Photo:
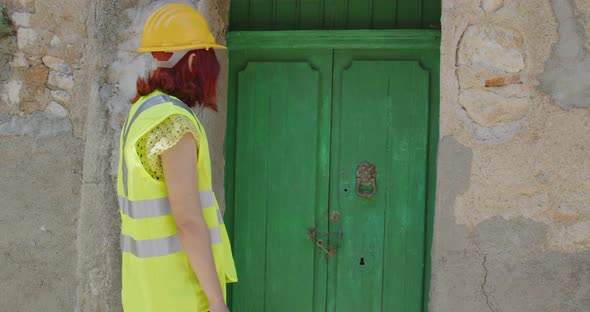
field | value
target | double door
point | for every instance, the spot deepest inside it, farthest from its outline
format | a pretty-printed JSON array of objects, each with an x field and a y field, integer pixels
[{"x": 329, "y": 178}]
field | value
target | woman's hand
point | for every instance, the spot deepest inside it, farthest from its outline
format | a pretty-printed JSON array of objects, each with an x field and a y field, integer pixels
[{"x": 218, "y": 307}]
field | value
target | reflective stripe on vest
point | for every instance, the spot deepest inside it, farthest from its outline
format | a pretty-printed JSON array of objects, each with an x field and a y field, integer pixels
[
  {"x": 149, "y": 103},
  {"x": 161, "y": 246},
  {"x": 153, "y": 208}
]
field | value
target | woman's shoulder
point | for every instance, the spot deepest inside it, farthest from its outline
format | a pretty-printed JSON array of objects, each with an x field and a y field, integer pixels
[{"x": 173, "y": 128}]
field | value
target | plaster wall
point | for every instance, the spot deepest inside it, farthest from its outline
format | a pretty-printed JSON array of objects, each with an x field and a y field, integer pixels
[
  {"x": 512, "y": 224},
  {"x": 42, "y": 132}
]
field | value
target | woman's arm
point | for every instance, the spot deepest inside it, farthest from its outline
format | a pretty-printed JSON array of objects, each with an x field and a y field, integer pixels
[{"x": 179, "y": 164}]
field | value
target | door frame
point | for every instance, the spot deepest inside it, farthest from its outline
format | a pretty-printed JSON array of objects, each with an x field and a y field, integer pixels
[{"x": 396, "y": 39}]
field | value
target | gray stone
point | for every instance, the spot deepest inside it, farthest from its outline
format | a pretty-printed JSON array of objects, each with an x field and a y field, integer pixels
[
  {"x": 37, "y": 125},
  {"x": 567, "y": 73},
  {"x": 499, "y": 133},
  {"x": 492, "y": 47},
  {"x": 56, "y": 64},
  {"x": 488, "y": 108},
  {"x": 55, "y": 41},
  {"x": 56, "y": 109},
  {"x": 26, "y": 37},
  {"x": 61, "y": 96},
  {"x": 21, "y": 19},
  {"x": 19, "y": 60},
  {"x": 11, "y": 92},
  {"x": 61, "y": 80}
]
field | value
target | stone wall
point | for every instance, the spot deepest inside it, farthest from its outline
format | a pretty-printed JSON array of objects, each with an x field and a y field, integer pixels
[
  {"x": 42, "y": 130},
  {"x": 67, "y": 72},
  {"x": 512, "y": 229}
]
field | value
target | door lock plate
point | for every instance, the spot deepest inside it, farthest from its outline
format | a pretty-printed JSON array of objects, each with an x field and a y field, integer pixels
[{"x": 327, "y": 243}]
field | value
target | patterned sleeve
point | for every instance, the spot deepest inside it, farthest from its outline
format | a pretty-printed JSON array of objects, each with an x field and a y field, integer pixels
[{"x": 162, "y": 137}]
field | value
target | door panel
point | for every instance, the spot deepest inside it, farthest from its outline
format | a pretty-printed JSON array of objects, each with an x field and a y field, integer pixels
[
  {"x": 380, "y": 115},
  {"x": 281, "y": 174}
]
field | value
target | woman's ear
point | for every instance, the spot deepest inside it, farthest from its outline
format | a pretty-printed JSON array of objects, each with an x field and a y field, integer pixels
[{"x": 190, "y": 61}]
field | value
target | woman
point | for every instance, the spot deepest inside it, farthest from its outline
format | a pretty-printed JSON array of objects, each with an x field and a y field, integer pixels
[{"x": 176, "y": 252}]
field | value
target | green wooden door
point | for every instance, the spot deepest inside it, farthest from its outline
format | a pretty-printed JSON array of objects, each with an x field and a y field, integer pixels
[
  {"x": 300, "y": 122},
  {"x": 380, "y": 115},
  {"x": 281, "y": 178}
]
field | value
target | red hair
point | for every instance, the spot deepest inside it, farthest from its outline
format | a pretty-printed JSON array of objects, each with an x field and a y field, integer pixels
[{"x": 198, "y": 86}]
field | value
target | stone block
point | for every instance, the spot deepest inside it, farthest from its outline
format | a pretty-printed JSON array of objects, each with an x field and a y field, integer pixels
[
  {"x": 21, "y": 19},
  {"x": 61, "y": 96},
  {"x": 488, "y": 108},
  {"x": 57, "y": 64},
  {"x": 61, "y": 80},
  {"x": 19, "y": 60},
  {"x": 29, "y": 106},
  {"x": 37, "y": 125},
  {"x": 492, "y": 47},
  {"x": 25, "y": 37},
  {"x": 56, "y": 109},
  {"x": 491, "y": 5},
  {"x": 35, "y": 97},
  {"x": 36, "y": 74},
  {"x": 11, "y": 92},
  {"x": 55, "y": 41}
]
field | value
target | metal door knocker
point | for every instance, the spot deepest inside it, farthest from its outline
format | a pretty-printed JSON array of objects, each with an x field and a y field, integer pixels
[{"x": 366, "y": 175}]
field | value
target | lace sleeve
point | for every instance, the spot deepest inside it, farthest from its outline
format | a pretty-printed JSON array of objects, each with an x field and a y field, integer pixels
[{"x": 162, "y": 137}]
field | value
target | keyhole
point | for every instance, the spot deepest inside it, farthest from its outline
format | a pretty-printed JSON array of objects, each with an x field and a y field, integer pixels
[{"x": 362, "y": 261}]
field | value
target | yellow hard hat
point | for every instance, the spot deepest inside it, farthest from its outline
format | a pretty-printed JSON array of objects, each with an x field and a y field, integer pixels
[{"x": 174, "y": 27}]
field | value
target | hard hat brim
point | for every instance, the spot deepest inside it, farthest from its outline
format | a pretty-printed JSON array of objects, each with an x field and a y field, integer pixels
[{"x": 183, "y": 47}]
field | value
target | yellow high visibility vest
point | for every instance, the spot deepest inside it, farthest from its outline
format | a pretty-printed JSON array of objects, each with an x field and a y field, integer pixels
[{"x": 156, "y": 273}]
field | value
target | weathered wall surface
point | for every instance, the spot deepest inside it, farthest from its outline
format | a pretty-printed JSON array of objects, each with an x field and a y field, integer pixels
[
  {"x": 67, "y": 72},
  {"x": 512, "y": 229},
  {"x": 42, "y": 129}
]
